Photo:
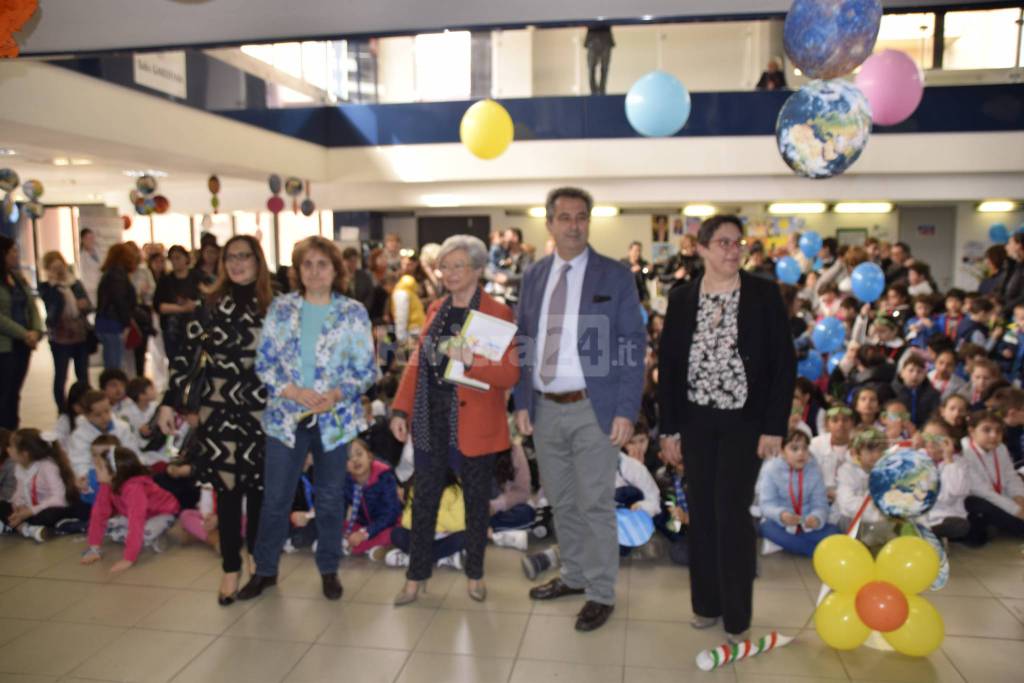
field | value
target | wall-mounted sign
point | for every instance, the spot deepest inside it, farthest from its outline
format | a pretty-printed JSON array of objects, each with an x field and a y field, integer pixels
[{"x": 163, "y": 71}]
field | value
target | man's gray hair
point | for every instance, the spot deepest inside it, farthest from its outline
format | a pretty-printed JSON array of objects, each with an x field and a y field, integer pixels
[
  {"x": 571, "y": 193},
  {"x": 474, "y": 247}
]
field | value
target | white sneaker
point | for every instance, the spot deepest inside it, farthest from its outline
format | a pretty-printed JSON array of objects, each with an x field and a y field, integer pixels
[
  {"x": 453, "y": 561},
  {"x": 770, "y": 547},
  {"x": 346, "y": 549},
  {"x": 513, "y": 538},
  {"x": 288, "y": 548},
  {"x": 37, "y": 533},
  {"x": 396, "y": 558}
]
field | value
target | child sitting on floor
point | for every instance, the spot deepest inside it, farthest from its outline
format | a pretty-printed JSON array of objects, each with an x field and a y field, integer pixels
[
  {"x": 45, "y": 486},
  {"x": 97, "y": 419},
  {"x": 450, "y": 536},
  {"x": 144, "y": 510},
  {"x": 852, "y": 489},
  {"x": 371, "y": 498},
  {"x": 793, "y": 499},
  {"x": 511, "y": 514},
  {"x": 674, "y": 519},
  {"x": 140, "y": 406},
  {"x": 996, "y": 491},
  {"x": 832, "y": 449},
  {"x": 896, "y": 422},
  {"x": 948, "y": 517}
]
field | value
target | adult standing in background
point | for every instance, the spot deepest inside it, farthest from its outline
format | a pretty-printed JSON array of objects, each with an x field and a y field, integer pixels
[
  {"x": 316, "y": 358},
  {"x": 641, "y": 269},
  {"x": 727, "y": 343},
  {"x": 599, "y": 43},
  {"x": 145, "y": 287},
  {"x": 177, "y": 295},
  {"x": 20, "y": 332},
  {"x": 453, "y": 427},
  {"x": 89, "y": 263},
  {"x": 66, "y": 307},
  {"x": 579, "y": 395},
  {"x": 359, "y": 284},
  {"x": 115, "y": 303}
]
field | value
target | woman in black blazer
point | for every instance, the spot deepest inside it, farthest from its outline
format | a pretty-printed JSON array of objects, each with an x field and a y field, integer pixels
[{"x": 727, "y": 368}]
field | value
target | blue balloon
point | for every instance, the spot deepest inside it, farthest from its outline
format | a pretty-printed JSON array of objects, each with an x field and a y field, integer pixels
[
  {"x": 658, "y": 105},
  {"x": 787, "y": 270},
  {"x": 818, "y": 264},
  {"x": 833, "y": 362},
  {"x": 811, "y": 366},
  {"x": 868, "y": 282},
  {"x": 810, "y": 244},
  {"x": 998, "y": 234},
  {"x": 828, "y": 335}
]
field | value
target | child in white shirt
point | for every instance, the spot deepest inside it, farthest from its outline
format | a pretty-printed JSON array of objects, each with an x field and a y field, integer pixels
[
  {"x": 832, "y": 449},
  {"x": 852, "y": 488},
  {"x": 996, "y": 491},
  {"x": 948, "y": 517}
]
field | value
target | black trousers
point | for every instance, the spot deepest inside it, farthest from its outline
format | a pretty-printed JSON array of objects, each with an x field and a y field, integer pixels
[
  {"x": 48, "y": 517},
  {"x": 477, "y": 476},
  {"x": 229, "y": 524},
  {"x": 720, "y": 455},
  {"x": 13, "y": 368},
  {"x": 982, "y": 514}
]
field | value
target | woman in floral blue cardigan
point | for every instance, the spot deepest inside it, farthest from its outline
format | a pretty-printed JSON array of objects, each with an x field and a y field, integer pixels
[{"x": 316, "y": 358}]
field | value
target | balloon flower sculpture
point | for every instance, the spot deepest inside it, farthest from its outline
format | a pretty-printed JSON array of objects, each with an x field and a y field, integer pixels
[{"x": 878, "y": 594}]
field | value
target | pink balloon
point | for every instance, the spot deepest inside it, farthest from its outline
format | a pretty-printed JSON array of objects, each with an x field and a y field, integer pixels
[{"x": 893, "y": 84}]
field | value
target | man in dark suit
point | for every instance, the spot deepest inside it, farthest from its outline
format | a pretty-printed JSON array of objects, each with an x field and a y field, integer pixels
[
  {"x": 360, "y": 283},
  {"x": 579, "y": 395}
]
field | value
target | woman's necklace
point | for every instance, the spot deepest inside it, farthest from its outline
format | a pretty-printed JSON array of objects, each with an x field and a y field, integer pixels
[{"x": 712, "y": 297}]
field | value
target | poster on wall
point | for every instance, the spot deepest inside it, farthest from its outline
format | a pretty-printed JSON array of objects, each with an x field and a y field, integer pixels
[
  {"x": 162, "y": 71},
  {"x": 662, "y": 251},
  {"x": 659, "y": 228},
  {"x": 851, "y": 237},
  {"x": 692, "y": 225},
  {"x": 677, "y": 227}
]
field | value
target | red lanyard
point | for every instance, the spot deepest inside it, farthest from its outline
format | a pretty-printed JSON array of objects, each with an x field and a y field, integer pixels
[
  {"x": 942, "y": 389},
  {"x": 955, "y": 322},
  {"x": 798, "y": 502},
  {"x": 997, "y": 485},
  {"x": 35, "y": 491}
]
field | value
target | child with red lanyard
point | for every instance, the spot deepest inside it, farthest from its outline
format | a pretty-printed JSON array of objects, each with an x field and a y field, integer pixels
[
  {"x": 144, "y": 511},
  {"x": 794, "y": 504},
  {"x": 997, "y": 492}
]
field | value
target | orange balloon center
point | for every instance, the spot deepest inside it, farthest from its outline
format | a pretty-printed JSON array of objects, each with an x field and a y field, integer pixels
[{"x": 882, "y": 606}]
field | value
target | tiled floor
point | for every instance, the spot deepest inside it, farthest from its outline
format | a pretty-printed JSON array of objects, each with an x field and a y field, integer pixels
[{"x": 160, "y": 622}]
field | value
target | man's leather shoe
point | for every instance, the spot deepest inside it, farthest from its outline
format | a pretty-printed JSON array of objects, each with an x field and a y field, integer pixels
[
  {"x": 332, "y": 586},
  {"x": 255, "y": 586},
  {"x": 555, "y": 588},
  {"x": 593, "y": 615}
]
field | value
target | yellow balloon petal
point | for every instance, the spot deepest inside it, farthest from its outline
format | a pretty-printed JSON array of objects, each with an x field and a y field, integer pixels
[
  {"x": 837, "y": 622},
  {"x": 486, "y": 129},
  {"x": 922, "y": 632},
  {"x": 909, "y": 563},
  {"x": 843, "y": 563}
]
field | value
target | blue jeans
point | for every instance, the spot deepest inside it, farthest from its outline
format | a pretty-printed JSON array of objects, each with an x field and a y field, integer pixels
[
  {"x": 798, "y": 544},
  {"x": 516, "y": 517},
  {"x": 113, "y": 349},
  {"x": 63, "y": 355},
  {"x": 281, "y": 472}
]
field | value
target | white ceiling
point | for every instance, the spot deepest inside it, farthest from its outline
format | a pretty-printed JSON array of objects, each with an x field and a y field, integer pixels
[{"x": 63, "y": 26}]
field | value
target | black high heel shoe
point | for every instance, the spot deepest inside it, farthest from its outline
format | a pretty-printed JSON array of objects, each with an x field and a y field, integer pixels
[{"x": 229, "y": 599}]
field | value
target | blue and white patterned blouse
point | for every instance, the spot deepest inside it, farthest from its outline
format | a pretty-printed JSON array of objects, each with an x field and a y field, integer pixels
[{"x": 345, "y": 360}]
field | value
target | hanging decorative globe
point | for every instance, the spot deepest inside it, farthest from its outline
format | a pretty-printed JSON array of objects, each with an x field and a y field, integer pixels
[{"x": 823, "y": 128}]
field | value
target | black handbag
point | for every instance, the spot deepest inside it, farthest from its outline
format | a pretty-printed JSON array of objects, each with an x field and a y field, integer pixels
[{"x": 194, "y": 383}]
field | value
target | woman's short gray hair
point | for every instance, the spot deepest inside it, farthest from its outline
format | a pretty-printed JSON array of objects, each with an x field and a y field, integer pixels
[{"x": 473, "y": 246}]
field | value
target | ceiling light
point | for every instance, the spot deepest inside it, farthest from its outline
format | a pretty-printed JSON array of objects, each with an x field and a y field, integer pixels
[
  {"x": 80, "y": 162},
  {"x": 604, "y": 211},
  {"x": 7, "y": 152},
  {"x": 138, "y": 173},
  {"x": 537, "y": 212},
  {"x": 647, "y": 17},
  {"x": 61, "y": 161},
  {"x": 997, "y": 206},
  {"x": 862, "y": 207},
  {"x": 440, "y": 201},
  {"x": 790, "y": 208},
  {"x": 699, "y": 210}
]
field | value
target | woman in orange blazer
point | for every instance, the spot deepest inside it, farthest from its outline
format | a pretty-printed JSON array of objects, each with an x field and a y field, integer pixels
[{"x": 453, "y": 427}]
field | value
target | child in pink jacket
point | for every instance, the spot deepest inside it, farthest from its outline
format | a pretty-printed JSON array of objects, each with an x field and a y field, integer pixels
[{"x": 144, "y": 510}]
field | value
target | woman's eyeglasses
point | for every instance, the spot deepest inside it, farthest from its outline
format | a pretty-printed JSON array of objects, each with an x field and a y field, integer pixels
[{"x": 238, "y": 257}]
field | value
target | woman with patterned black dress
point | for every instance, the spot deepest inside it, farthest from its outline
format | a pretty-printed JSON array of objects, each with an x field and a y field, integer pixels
[
  {"x": 727, "y": 368},
  {"x": 229, "y": 445}
]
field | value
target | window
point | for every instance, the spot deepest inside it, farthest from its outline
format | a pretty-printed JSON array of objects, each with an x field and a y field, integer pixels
[
  {"x": 172, "y": 228},
  {"x": 981, "y": 39},
  {"x": 913, "y": 34},
  {"x": 219, "y": 227},
  {"x": 260, "y": 226},
  {"x": 295, "y": 227},
  {"x": 442, "y": 66}
]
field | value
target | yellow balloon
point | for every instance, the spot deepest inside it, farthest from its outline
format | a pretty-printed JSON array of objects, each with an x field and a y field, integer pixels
[
  {"x": 843, "y": 563},
  {"x": 486, "y": 129},
  {"x": 922, "y": 632},
  {"x": 909, "y": 563},
  {"x": 837, "y": 622}
]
